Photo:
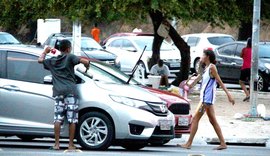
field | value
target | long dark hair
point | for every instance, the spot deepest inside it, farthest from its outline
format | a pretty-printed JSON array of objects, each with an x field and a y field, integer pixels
[{"x": 211, "y": 55}]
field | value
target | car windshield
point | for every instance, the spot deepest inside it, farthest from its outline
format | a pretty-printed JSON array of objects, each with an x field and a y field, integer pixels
[
  {"x": 105, "y": 73},
  {"x": 88, "y": 43},
  {"x": 148, "y": 41},
  {"x": 264, "y": 51},
  {"x": 8, "y": 39},
  {"x": 220, "y": 40}
]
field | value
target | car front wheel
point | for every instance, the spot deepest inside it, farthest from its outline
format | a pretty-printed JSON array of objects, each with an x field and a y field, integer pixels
[
  {"x": 95, "y": 131},
  {"x": 262, "y": 84}
]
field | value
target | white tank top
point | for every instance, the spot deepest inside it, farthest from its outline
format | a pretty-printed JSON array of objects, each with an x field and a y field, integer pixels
[{"x": 208, "y": 87}]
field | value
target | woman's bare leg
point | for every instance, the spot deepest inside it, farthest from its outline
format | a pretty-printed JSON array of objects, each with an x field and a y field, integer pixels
[
  {"x": 194, "y": 126},
  {"x": 212, "y": 118}
]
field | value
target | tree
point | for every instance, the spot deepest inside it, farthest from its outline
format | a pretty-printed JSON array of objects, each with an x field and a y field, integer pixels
[
  {"x": 217, "y": 12},
  {"x": 245, "y": 16}
]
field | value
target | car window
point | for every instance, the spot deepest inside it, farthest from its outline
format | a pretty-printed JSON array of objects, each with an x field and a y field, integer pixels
[
  {"x": 239, "y": 49},
  {"x": 24, "y": 67},
  {"x": 220, "y": 40},
  {"x": 8, "y": 39},
  {"x": 227, "y": 50},
  {"x": 116, "y": 44},
  {"x": 52, "y": 42},
  {"x": 127, "y": 44},
  {"x": 141, "y": 42},
  {"x": 193, "y": 41},
  {"x": 264, "y": 51}
]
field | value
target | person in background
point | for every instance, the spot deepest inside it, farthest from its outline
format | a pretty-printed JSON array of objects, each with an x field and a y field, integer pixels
[
  {"x": 245, "y": 70},
  {"x": 95, "y": 32},
  {"x": 160, "y": 69},
  {"x": 64, "y": 89}
]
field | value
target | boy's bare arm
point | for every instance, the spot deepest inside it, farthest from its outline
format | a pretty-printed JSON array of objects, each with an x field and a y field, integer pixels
[
  {"x": 85, "y": 62},
  {"x": 43, "y": 55}
]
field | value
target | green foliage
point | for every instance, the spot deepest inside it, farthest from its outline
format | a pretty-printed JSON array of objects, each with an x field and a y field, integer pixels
[{"x": 14, "y": 13}]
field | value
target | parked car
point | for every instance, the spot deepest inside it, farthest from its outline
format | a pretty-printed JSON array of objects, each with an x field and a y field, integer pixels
[
  {"x": 6, "y": 38},
  {"x": 122, "y": 114},
  {"x": 127, "y": 34},
  {"x": 175, "y": 103},
  {"x": 89, "y": 47},
  {"x": 129, "y": 49},
  {"x": 201, "y": 41},
  {"x": 229, "y": 63}
]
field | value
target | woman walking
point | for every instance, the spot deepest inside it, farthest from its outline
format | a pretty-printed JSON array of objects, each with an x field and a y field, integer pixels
[{"x": 207, "y": 99}]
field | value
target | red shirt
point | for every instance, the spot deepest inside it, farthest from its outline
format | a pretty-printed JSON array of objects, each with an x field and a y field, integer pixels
[{"x": 246, "y": 55}]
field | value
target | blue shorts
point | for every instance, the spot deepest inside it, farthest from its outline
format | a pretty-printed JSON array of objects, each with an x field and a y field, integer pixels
[{"x": 66, "y": 107}]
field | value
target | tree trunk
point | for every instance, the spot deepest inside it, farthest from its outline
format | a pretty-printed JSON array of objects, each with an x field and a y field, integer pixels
[
  {"x": 245, "y": 30},
  {"x": 185, "y": 56},
  {"x": 156, "y": 18}
]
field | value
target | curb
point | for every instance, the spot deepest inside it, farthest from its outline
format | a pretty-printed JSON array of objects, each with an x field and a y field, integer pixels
[{"x": 264, "y": 141}]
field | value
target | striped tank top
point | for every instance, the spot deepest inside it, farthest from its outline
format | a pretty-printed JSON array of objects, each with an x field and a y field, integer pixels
[{"x": 208, "y": 87}]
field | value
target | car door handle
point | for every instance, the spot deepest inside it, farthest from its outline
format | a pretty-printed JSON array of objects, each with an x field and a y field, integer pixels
[
  {"x": 233, "y": 63},
  {"x": 11, "y": 88}
]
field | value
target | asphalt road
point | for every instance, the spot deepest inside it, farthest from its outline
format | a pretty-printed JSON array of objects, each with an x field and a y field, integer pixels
[{"x": 15, "y": 147}]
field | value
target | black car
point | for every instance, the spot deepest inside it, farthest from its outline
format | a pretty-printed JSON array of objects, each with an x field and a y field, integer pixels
[
  {"x": 229, "y": 63},
  {"x": 89, "y": 48},
  {"x": 6, "y": 38}
]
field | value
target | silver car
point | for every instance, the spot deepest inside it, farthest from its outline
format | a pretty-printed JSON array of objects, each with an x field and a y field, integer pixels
[{"x": 110, "y": 113}]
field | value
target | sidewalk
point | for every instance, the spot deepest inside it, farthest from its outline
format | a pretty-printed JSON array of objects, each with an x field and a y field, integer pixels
[{"x": 243, "y": 131}]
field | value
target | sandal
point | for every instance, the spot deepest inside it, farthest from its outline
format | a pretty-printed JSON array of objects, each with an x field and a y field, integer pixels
[{"x": 54, "y": 148}]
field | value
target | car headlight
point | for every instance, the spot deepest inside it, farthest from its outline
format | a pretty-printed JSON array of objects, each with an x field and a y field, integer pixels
[
  {"x": 128, "y": 101},
  {"x": 267, "y": 65}
]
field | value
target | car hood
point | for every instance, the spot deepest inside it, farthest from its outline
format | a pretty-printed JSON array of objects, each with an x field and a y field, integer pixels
[
  {"x": 130, "y": 91},
  {"x": 166, "y": 96},
  {"x": 99, "y": 54}
]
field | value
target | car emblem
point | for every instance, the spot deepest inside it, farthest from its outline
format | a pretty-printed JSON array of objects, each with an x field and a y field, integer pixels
[{"x": 163, "y": 108}]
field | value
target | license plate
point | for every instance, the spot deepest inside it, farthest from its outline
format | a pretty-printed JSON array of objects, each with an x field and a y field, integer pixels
[
  {"x": 165, "y": 125},
  {"x": 175, "y": 65},
  {"x": 183, "y": 121}
]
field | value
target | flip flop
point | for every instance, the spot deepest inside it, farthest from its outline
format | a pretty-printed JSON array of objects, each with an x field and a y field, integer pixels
[
  {"x": 220, "y": 148},
  {"x": 178, "y": 145},
  {"x": 246, "y": 99},
  {"x": 54, "y": 148}
]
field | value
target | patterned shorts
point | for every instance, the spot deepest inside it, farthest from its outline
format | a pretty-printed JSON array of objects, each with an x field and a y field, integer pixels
[{"x": 66, "y": 107}]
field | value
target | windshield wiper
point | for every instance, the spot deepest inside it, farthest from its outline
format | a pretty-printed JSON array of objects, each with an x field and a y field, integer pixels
[
  {"x": 265, "y": 57},
  {"x": 136, "y": 65}
]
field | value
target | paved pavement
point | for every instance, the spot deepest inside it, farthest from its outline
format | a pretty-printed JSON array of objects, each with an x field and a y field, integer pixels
[{"x": 13, "y": 147}]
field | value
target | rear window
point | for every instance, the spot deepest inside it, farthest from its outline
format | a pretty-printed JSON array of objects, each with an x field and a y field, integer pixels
[{"x": 220, "y": 40}]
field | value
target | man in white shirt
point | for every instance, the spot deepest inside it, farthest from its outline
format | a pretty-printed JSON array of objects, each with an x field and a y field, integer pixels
[{"x": 160, "y": 69}]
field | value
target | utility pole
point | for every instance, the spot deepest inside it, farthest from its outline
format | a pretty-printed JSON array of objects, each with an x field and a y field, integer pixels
[
  {"x": 254, "y": 63},
  {"x": 76, "y": 38}
]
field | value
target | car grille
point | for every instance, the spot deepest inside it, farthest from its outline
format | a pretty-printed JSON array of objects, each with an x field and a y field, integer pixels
[
  {"x": 180, "y": 108},
  {"x": 159, "y": 109},
  {"x": 158, "y": 131}
]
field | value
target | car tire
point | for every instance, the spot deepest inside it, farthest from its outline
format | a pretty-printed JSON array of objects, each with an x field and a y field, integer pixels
[
  {"x": 196, "y": 65},
  {"x": 95, "y": 131},
  {"x": 143, "y": 66},
  {"x": 133, "y": 146},
  {"x": 26, "y": 138},
  {"x": 262, "y": 84}
]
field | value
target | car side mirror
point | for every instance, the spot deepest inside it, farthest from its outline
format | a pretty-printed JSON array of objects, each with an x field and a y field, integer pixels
[
  {"x": 47, "y": 79},
  {"x": 38, "y": 44}
]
